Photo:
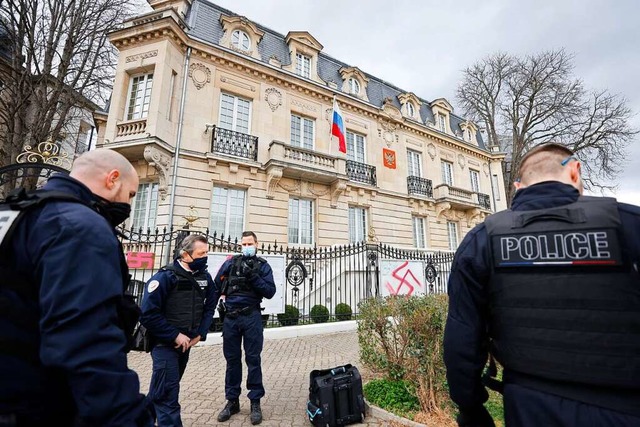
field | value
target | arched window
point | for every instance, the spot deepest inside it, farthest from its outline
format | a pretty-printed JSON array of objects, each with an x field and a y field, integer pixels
[
  {"x": 240, "y": 40},
  {"x": 354, "y": 86},
  {"x": 411, "y": 111}
]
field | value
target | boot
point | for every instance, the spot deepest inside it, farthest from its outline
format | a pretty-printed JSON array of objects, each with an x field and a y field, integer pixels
[
  {"x": 232, "y": 407},
  {"x": 256, "y": 412}
]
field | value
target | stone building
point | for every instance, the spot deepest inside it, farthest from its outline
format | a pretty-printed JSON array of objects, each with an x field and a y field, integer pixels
[{"x": 228, "y": 124}]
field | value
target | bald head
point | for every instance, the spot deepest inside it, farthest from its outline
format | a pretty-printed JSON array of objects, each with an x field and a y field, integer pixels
[
  {"x": 107, "y": 173},
  {"x": 550, "y": 162}
]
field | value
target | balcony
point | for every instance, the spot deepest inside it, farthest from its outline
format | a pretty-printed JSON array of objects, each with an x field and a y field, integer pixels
[
  {"x": 302, "y": 163},
  {"x": 460, "y": 198},
  {"x": 420, "y": 186},
  {"x": 484, "y": 201},
  {"x": 361, "y": 172},
  {"x": 234, "y": 143},
  {"x": 137, "y": 127}
]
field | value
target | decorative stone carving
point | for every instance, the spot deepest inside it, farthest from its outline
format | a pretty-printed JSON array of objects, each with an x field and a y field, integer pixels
[
  {"x": 273, "y": 98},
  {"x": 161, "y": 162},
  {"x": 238, "y": 83},
  {"x": 274, "y": 174},
  {"x": 474, "y": 216},
  {"x": 200, "y": 74},
  {"x": 461, "y": 161},
  {"x": 295, "y": 188},
  {"x": 314, "y": 192},
  {"x": 391, "y": 110},
  {"x": 337, "y": 188},
  {"x": 443, "y": 209},
  {"x": 386, "y": 131},
  {"x": 485, "y": 169},
  {"x": 140, "y": 56},
  {"x": 431, "y": 151},
  {"x": 303, "y": 105}
]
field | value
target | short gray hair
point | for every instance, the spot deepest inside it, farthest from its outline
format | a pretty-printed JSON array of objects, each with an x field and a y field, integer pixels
[{"x": 189, "y": 242}]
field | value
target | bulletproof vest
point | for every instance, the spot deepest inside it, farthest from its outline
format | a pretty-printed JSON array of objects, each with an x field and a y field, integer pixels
[
  {"x": 564, "y": 297},
  {"x": 12, "y": 210},
  {"x": 237, "y": 284},
  {"x": 185, "y": 303}
]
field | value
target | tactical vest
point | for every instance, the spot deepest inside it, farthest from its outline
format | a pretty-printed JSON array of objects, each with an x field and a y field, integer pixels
[
  {"x": 11, "y": 213},
  {"x": 564, "y": 299},
  {"x": 237, "y": 282},
  {"x": 185, "y": 303}
]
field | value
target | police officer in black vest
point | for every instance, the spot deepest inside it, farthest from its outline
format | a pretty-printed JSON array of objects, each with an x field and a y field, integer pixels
[
  {"x": 177, "y": 309},
  {"x": 244, "y": 280},
  {"x": 550, "y": 288}
]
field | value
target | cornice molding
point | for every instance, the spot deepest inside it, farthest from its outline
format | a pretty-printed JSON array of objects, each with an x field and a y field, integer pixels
[{"x": 223, "y": 57}]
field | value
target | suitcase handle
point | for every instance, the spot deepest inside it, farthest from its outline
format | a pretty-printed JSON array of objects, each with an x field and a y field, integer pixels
[{"x": 341, "y": 369}]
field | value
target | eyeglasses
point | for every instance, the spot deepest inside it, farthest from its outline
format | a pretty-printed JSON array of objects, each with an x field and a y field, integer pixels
[{"x": 568, "y": 159}]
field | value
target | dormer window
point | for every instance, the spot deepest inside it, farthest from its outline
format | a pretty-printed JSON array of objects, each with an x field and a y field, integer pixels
[
  {"x": 410, "y": 106},
  {"x": 354, "y": 82},
  {"x": 354, "y": 86},
  {"x": 240, "y": 40},
  {"x": 303, "y": 65},
  {"x": 467, "y": 135},
  {"x": 241, "y": 35}
]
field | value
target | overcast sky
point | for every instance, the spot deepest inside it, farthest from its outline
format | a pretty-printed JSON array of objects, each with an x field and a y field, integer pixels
[{"x": 422, "y": 46}]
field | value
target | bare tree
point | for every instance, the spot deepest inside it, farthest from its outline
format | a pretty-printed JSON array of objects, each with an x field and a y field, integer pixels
[
  {"x": 523, "y": 102},
  {"x": 58, "y": 59}
]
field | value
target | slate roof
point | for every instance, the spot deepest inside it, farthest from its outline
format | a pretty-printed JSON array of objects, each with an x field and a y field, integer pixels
[{"x": 204, "y": 24}]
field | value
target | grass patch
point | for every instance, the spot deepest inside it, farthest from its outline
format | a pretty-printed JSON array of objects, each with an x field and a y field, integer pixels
[{"x": 394, "y": 396}]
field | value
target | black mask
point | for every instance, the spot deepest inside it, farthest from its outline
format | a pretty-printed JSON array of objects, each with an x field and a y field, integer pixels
[{"x": 114, "y": 212}]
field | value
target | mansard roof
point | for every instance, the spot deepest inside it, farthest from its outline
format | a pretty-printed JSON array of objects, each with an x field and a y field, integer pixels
[{"x": 204, "y": 24}]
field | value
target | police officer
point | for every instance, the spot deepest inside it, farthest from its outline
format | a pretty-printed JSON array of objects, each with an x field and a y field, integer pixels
[
  {"x": 551, "y": 289},
  {"x": 177, "y": 309},
  {"x": 244, "y": 280},
  {"x": 62, "y": 277}
]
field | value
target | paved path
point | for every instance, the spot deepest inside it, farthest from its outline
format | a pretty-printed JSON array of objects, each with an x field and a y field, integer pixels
[{"x": 286, "y": 364}]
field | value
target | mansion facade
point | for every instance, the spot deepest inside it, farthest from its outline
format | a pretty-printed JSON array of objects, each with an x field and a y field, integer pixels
[{"x": 228, "y": 124}]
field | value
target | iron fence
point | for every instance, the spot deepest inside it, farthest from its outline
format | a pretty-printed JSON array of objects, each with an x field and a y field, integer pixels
[{"x": 336, "y": 278}]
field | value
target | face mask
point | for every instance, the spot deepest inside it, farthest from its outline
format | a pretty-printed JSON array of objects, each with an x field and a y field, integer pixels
[
  {"x": 114, "y": 212},
  {"x": 198, "y": 264},
  {"x": 248, "y": 251}
]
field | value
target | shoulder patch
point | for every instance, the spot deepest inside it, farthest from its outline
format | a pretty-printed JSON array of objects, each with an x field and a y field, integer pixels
[{"x": 153, "y": 285}]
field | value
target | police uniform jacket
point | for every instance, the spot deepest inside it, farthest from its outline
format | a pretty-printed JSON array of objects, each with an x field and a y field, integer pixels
[
  {"x": 473, "y": 310},
  {"x": 158, "y": 291},
  {"x": 69, "y": 354},
  {"x": 261, "y": 285}
]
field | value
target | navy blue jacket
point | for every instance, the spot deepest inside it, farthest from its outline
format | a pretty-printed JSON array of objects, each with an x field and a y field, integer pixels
[
  {"x": 465, "y": 349},
  {"x": 71, "y": 254},
  {"x": 263, "y": 286},
  {"x": 153, "y": 306}
]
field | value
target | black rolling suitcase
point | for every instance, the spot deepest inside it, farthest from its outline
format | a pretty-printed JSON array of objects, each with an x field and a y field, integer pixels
[{"x": 335, "y": 397}]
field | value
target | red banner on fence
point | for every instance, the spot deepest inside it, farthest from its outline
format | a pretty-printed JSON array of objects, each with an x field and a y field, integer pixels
[{"x": 140, "y": 260}]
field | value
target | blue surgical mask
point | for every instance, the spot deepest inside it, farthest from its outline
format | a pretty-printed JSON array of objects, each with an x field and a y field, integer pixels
[
  {"x": 198, "y": 264},
  {"x": 248, "y": 251}
]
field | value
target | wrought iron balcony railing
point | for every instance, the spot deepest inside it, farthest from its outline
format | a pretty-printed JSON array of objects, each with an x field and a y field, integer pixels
[
  {"x": 484, "y": 201},
  {"x": 234, "y": 143},
  {"x": 418, "y": 185},
  {"x": 361, "y": 172}
]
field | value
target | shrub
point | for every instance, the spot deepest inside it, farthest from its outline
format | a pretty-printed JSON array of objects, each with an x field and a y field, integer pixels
[
  {"x": 290, "y": 316},
  {"x": 402, "y": 337},
  {"x": 343, "y": 311},
  {"x": 319, "y": 313},
  {"x": 395, "y": 396}
]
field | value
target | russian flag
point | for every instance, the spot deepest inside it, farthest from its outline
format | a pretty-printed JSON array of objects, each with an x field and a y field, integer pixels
[{"x": 337, "y": 127}]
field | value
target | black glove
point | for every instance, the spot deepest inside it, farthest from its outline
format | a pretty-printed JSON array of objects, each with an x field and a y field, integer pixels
[
  {"x": 475, "y": 417},
  {"x": 254, "y": 273}
]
